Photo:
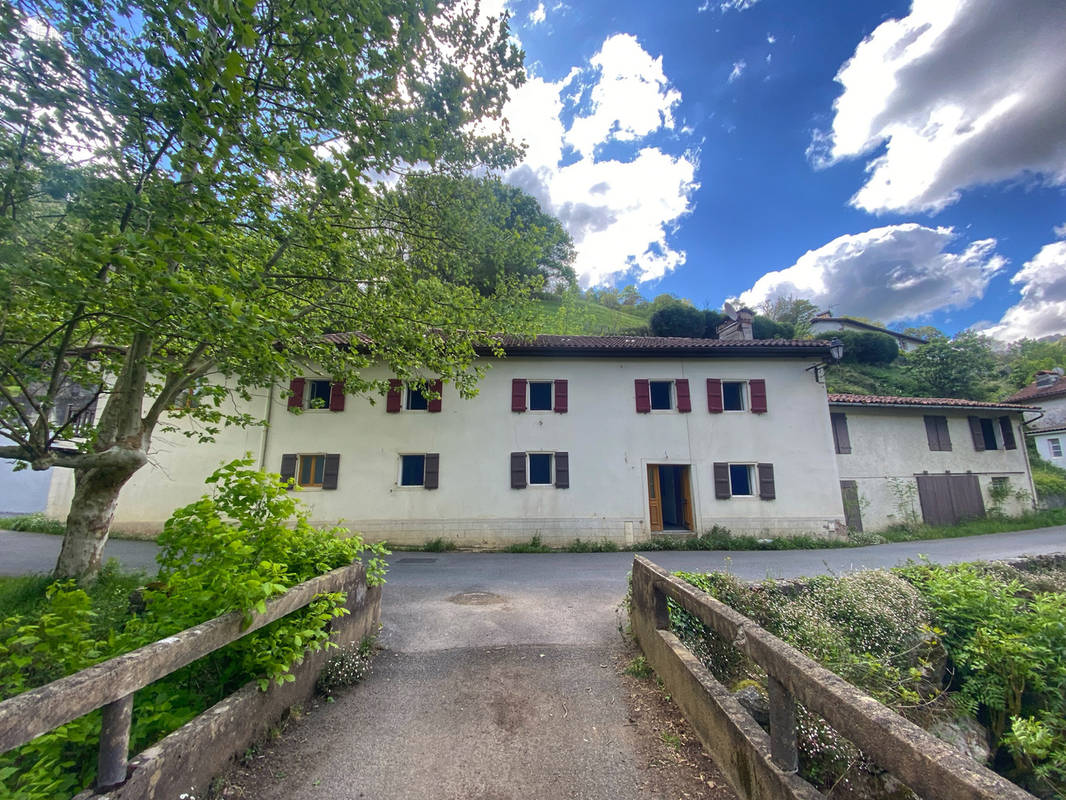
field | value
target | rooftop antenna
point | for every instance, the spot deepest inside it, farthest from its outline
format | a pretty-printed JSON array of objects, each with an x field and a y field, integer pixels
[{"x": 729, "y": 310}]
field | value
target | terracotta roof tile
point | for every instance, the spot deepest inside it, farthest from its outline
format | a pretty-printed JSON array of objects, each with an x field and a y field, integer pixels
[
  {"x": 1032, "y": 391},
  {"x": 921, "y": 402}
]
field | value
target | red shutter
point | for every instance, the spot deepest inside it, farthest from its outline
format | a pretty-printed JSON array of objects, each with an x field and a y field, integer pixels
[
  {"x": 296, "y": 393},
  {"x": 561, "y": 397},
  {"x": 336, "y": 396},
  {"x": 714, "y": 395},
  {"x": 721, "y": 481},
  {"x": 562, "y": 470},
  {"x": 758, "y": 395},
  {"x": 684, "y": 399},
  {"x": 643, "y": 389},
  {"x": 766, "y": 482},
  {"x": 394, "y": 399},
  {"x": 518, "y": 394},
  {"x": 437, "y": 387},
  {"x": 288, "y": 469},
  {"x": 518, "y": 470},
  {"x": 431, "y": 479},
  {"x": 331, "y": 470}
]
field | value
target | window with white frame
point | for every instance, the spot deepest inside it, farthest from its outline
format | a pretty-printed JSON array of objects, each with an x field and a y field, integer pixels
[
  {"x": 540, "y": 469},
  {"x": 741, "y": 480},
  {"x": 416, "y": 401},
  {"x": 662, "y": 395},
  {"x": 733, "y": 396},
  {"x": 419, "y": 470},
  {"x": 540, "y": 395},
  {"x": 318, "y": 394},
  {"x": 1054, "y": 447}
]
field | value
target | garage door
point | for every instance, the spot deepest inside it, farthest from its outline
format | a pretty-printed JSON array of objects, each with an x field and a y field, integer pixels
[{"x": 947, "y": 499}]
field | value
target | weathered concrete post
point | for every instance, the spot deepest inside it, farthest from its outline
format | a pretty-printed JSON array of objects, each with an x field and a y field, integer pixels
[
  {"x": 114, "y": 743},
  {"x": 783, "y": 748}
]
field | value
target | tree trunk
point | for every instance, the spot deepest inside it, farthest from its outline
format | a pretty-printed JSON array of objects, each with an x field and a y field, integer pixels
[{"x": 96, "y": 491}]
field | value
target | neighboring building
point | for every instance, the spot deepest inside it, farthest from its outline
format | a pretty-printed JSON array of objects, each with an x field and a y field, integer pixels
[
  {"x": 937, "y": 460},
  {"x": 586, "y": 437},
  {"x": 824, "y": 325},
  {"x": 1049, "y": 430}
]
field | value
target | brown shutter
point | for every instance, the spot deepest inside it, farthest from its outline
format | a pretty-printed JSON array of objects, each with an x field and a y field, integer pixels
[
  {"x": 336, "y": 396},
  {"x": 296, "y": 393},
  {"x": 942, "y": 433},
  {"x": 932, "y": 432},
  {"x": 434, "y": 406},
  {"x": 757, "y": 387},
  {"x": 562, "y": 470},
  {"x": 518, "y": 394},
  {"x": 721, "y": 481},
  {"x": 288, "y": 469},
  {"x": 642, "y": 387},
  {"x": 562, "y": 397},
  {"x": 714, "y": 395},
  {"x": 330, "y": 470},
  {"x": 431, "y": 479},
  {"x": 684, "y": 399},
  {"x": 394, "y": 399},
  {"x": 518, "y": 470},
  {"x": 766, "y": 482},
  {"x": 1008, "y": 433},
  {"x": 977, "y": 434},
  {"x": 841, "y": 439}
]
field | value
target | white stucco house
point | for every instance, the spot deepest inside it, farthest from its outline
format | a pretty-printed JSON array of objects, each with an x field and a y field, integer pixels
[
  {"x": 825, "y": 325},
  {"x": 1048, "y": 431},
  {"x": 927, "y": 459},
  {"x": 569, "y": 437},
  {"x": 596, "y": 437}
]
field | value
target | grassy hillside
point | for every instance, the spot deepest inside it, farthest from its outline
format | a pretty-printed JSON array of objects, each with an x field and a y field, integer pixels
[
  {"x": 869, "y": 379},
  {"x": 579, "y": 316}
]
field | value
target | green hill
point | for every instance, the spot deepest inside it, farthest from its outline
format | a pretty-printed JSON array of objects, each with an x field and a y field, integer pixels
[{"x": 578, "y": 316}]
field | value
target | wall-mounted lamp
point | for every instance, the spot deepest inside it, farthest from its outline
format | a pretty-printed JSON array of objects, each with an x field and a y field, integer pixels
[{"x": 836, "y": 352}]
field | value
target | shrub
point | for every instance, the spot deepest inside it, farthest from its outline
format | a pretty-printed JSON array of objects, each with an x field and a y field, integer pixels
[
  {"x": 232, "y": 551},
  {"x": 346, "y": 667},
  {"x": 868, "y": 347},
  {"x": 33, "y": 523}
]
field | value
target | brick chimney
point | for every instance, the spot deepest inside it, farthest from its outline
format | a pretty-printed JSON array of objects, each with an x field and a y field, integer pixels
[{"x": 739, "y": 328}]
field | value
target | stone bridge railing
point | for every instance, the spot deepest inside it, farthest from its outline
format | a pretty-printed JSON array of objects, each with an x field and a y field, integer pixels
[
  {"x": 761, "y": 766},
  {"x": 189, "y": 757}
]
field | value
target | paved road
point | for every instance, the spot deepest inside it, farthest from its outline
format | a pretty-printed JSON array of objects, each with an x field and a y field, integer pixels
[{"x": 498, "y": 677}]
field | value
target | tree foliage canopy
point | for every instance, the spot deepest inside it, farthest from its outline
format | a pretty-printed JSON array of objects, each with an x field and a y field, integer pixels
[
  {"x": 957, "y": 367},
  {"x": 194, "y": 189}
]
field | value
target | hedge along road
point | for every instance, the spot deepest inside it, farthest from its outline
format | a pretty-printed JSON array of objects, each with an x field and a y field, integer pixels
[{"x": 499, "y": 673}]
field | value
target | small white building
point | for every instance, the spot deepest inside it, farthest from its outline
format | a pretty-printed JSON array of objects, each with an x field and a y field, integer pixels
[
  {"x": 906, "y": 460},
  {"x": 612, "y": 437},
  {"x": 825, "y": 326},
  {"x": 1048, "y": 431}
]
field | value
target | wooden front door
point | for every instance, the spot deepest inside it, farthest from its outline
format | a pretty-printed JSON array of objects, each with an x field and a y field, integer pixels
[{"x": 655, "y": 502}]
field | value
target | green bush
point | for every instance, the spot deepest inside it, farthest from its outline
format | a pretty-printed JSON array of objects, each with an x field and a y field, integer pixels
[
  {"x": 249, "y": 542},
  {"x": 33, "y": 523},
  {"x": 868, "y": 347}
]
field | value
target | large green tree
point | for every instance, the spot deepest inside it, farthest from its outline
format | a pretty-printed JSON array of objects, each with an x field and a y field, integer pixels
[
  {"x": 193, "y": 192},
  {"x": 958, "y": 367}
]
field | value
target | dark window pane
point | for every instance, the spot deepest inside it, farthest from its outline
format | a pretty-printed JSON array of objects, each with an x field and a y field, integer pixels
[
  {"x": 320, "y": 465},
  {"x": 306, "y": 462},
  {"x": 733, "y": 396},
  {"x": 540, "y": 468},
  {"x": 660, "y": 395},
  {"x": 311, "y": 470},
  {"x": 989, "y": 432},
  {"x": 540, "y": 396},
  {"x": 415, "y": 400},
  {"x": 413, "y": 471},
  {"x": 740, "y": 478},
  {"x": 318, "y": 394}
]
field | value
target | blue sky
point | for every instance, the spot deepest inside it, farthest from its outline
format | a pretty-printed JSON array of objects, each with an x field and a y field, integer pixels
[{"x": 904, "y": 162}]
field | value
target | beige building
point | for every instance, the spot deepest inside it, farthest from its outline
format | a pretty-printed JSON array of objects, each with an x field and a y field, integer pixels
[
  {"x": 914, "y": 459},
  {"x": 1048, "y": 430}
]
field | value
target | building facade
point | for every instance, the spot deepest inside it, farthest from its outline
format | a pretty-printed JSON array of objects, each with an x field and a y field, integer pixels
[
  {"x": 1048, "y": 431},
  {"x": 907, "y": 460},
  {"x": 598, "y": 438},
  {"x": 825, "y": 325}
]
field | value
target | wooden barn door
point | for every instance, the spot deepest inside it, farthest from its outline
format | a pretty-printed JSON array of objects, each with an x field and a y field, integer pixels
[{"x": 947, "y": 499}]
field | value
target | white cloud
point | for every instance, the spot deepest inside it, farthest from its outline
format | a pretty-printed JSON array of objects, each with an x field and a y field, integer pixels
[
  {"x": 706, "y": 4},
  {"x": 537, "y": 15},
  {"x": 630, "y": 100},
  {"x": 1042, "y": 310},
  {"x": 738, "y": 70},
  {"x": 1060, "y": 230},
  {"x": 897, "y": 272},
  {"x": 956, "y": 94},
  {"x": 770, "y": 38},
  {"x": 736, "y": 5},
  {"x": 621, "y": 210}
]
